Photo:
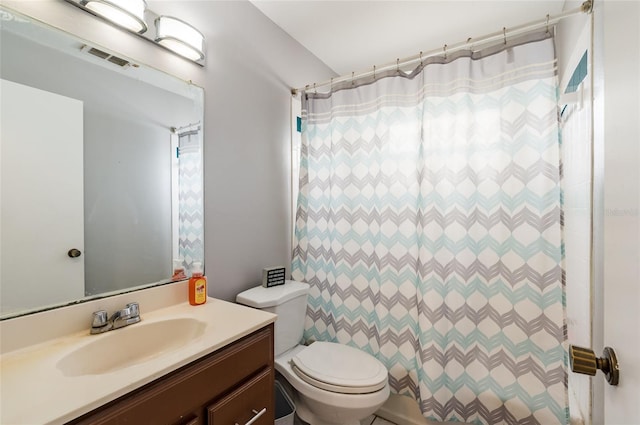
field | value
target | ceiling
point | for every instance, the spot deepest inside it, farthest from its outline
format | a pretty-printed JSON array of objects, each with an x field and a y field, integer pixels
[{"x": 352, "y": 36}]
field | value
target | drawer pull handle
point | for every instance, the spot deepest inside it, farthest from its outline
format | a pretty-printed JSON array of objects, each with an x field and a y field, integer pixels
[{"x": 256, "y": 416}]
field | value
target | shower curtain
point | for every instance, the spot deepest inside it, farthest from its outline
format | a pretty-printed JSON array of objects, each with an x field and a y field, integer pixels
[
  {"x": 429, "y": 229},
  {"x": 190, "y": 196}
]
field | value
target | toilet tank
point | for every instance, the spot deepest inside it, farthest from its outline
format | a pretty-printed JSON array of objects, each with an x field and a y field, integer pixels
[{"x": 289, "y": 302}]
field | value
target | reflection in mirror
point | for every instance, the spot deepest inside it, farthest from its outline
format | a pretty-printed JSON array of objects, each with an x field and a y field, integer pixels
[{"x": 101, "y": 170}]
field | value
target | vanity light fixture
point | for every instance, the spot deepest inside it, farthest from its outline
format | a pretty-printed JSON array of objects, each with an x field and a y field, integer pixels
[
  {"x": 171, "y": 33},
  {"x": 180, "y": 37},
  {"x": 128, "y": 14}
]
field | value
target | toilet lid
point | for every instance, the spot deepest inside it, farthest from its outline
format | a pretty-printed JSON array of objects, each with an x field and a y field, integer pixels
[{"x": 339, "y": 368}]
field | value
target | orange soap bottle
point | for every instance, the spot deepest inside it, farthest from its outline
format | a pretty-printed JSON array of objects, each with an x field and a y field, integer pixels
[{"x": 197, "y": 285}]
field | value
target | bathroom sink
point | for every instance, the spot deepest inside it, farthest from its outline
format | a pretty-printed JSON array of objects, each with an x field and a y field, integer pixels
[{"x": 129, "y": 346}]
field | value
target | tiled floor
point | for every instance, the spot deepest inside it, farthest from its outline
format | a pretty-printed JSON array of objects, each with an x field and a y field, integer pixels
[
  {"x": 375, "y": 420},
  {"x": 371, "y": 420}
]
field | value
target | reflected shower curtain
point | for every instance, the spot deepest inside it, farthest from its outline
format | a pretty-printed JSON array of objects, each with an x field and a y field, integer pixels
[
  {"x": 429, "y": 229},
  {"x": 190, "y": 196}
]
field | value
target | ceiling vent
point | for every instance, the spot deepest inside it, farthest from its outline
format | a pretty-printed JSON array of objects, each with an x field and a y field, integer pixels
[{"x": 122, "y": 63}]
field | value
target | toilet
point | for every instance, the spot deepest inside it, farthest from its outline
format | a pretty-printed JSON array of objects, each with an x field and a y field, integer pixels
[{"x": 332, "y": 383}]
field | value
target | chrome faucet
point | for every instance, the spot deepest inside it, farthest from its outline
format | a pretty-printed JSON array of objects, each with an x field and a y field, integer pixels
[{"x": 121, "y": 318}]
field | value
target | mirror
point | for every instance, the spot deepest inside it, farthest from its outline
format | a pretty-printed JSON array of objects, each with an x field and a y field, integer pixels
[{"x": 101, "y": 170}]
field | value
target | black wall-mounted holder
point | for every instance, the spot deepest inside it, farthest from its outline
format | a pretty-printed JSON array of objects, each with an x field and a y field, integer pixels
[{"x": 273, "y": 276}]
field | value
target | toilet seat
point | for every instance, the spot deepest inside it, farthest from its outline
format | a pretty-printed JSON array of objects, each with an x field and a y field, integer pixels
[{"x": 339, "y": 368}]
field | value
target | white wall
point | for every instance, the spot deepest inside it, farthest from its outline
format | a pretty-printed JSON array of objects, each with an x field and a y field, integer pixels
[{"x": 251, "y": 65}]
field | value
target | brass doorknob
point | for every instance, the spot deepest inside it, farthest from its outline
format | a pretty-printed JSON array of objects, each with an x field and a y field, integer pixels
[{"x": 583, "y": 360}]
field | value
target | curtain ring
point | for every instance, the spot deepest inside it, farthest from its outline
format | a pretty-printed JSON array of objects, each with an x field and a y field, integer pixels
[
  {"x": 445, "y": 51},
  {"x": 315, "y": 90},
  {"x": 374, "y": 72},
  {"x": 398, "y": 65},
  {"x": 547, "y": 23},
  {"x": 331, "y": 85},
  {"x": 421, "y": 63},
  {"x": 504, "y": 34},
  {"x": 352, "y": 74}
]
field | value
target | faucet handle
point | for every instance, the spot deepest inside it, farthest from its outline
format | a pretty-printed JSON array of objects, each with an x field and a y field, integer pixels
[
  {"x": 99, "y": 319},
  {"x": 134, "y": 309},
  {"x": 99, "y": 322}
]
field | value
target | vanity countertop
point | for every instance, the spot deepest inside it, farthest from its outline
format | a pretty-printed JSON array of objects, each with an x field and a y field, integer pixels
[{"x": 33, "y": 389}]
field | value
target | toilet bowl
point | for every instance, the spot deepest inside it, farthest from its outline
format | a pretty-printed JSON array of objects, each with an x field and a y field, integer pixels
[
  {"x": 323, "y": 398},
  {"x": 333, "y": 383}
]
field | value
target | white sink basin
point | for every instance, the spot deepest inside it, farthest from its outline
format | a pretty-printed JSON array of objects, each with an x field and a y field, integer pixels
[{"x": 130, "y": 345}]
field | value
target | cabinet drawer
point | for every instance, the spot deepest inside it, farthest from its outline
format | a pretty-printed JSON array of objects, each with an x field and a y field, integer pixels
[
  {"x": 174, "y": 398},
  {"x": 246, "y": 405}
]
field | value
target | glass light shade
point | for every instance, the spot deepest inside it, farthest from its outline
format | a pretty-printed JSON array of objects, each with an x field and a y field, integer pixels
[
  {"x": 125, "y": 13},
  {"x": 180, "y": 37}
]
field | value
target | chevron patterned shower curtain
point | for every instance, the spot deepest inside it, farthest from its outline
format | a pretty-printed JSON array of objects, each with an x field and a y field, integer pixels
[
  {"x": 190, "y": 196},
  {"x": 429, "y": 229}
]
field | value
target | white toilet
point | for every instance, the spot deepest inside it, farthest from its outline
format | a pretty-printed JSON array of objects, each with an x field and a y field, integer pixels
[{"x": 333, "y": 383}]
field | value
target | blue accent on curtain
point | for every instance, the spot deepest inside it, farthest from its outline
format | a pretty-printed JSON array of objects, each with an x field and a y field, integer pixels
[
  {"x": 579, "y": 74},
  {"x": 429, "y": 229}
]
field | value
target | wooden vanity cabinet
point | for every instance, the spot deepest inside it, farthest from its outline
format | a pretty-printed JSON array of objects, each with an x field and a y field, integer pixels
[{"x": 229, "y": 386}]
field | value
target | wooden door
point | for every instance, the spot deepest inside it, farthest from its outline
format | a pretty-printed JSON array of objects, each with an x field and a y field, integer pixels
[{"x": 617, "y": 247}]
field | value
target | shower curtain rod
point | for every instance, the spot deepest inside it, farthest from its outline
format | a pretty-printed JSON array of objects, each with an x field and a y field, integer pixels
[
  {"x": 176, "y": 129},
  {"x": 585, "y": 7}
]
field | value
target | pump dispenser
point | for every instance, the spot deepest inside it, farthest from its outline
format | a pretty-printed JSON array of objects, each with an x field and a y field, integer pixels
[{"x": 197, "y": 285}]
